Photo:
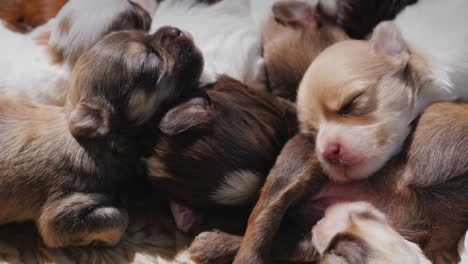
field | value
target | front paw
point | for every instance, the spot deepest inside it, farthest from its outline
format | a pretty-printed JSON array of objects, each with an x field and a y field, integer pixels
[{"x": 214, "y": 247}]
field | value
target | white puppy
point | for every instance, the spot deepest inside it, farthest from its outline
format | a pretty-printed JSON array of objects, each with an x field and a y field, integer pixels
[{"x": 224, "y": 31}]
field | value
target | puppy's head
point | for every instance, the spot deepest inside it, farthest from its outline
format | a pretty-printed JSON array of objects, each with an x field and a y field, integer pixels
[
  {"x": 218, "y": 151},
  {"x": 359, "y": 233},
  {"x": 129, "y": 78},
  {"x": 81, "y": 23},
  {"x": 294, "y": 34},
  {"x": 358, "y": 98}
]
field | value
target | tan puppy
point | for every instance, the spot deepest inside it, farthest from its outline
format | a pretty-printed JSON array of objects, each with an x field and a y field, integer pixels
[
  {"x": 292, "y": 37},
  {"x": 359, "y": 233},
  {"x": 359, "y": 97},
  {"x": 64, "y": 168}
]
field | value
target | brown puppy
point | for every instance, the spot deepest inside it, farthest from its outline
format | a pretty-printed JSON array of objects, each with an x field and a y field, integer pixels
[
  {"x": 25, "y": 15},
  {"x": 216, "y": 153},
  {"x": 63, "y": 168},
  {"x": 359, "y": 233},
  {"x": 293, "y": 35},
  {"x": 417, "y": 190}
]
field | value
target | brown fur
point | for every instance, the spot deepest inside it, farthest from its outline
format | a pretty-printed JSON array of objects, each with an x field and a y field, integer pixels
[
  {"x": 418, "y": 202},
  {"x": 65, "y": 168},
  {"x": 204, "y": 143},
  {"x": 291, "y": 42},
  {"x": 25, "y": 15}
]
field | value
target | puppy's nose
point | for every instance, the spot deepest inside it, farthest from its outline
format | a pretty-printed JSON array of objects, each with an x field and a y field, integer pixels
[
  {"x": 332, "y": 154},
  {"x": 172, "y": 32}
]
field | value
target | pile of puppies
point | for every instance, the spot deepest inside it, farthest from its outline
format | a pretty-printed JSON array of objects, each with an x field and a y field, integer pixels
[{"x": 299, "y": 131}]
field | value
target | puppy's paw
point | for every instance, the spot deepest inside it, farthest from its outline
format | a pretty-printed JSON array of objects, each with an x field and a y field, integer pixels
[
  {"x": 185, "y": 217},
  {"x": 214, "y": 247}
]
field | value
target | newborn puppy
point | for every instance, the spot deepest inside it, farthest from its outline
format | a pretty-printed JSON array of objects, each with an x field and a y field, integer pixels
[
  {"x": 363, "y": 95},
  {"x": 416, "y": 190},
  {"x": 292, "y": 37},
  {"x": 224, "y": 31},
  {"x": 359, "y": 233},
  {"x": 64, "y": 168},
  {"x": 41, "y": 71},
  {"x": 25, "y": 15},
  {"x": 216, "y": 153}
]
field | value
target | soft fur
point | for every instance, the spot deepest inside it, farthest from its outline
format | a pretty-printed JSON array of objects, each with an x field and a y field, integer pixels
[
  {"x": 359, "y": 233},
  {"x": 359, "y": 17},
  {"x": 25, "y": 15},
  {"x": 224, "y": 31},
  {"x": 363, "y": 95},
  {"x": 36, "y": 67},
  {"x": 64, "y": 168},
  {"x": 293, "y": 35}
]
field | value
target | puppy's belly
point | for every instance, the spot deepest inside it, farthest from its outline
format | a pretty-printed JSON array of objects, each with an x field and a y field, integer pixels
[{"x": 333, "y": 193}]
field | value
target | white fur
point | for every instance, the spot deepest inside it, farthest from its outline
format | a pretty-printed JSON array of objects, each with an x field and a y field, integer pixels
[
  {"x": 25, "y": 69},
  {"x": 439, "y": 29},
  {"x": 237, "y": 188},
  {"x": 224, "y": 32}
]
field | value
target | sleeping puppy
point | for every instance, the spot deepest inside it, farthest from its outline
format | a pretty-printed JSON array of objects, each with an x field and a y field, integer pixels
[
  {"x": 25, "y": 15},
  {"x": 215, "y": 152},
  {"x": 363, "y": 95},
  {"x": 292, "y": 37},
  {"x": 65, "y": 167},
  {"x": 41, "y": 72},
  {"x": 416, "y": 190},
  {"x": 359, "y": 233},
  {"x": 224, "y": 31}
]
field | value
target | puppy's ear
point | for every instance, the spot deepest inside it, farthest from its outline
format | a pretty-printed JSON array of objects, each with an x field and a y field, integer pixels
[
  {"x": 293, "y": 12},
  {"x": 141, "y": 11},
  {"x": 88, "y": 120},
  {"x": 388, "y": 42},
  {"x": 195, "y": 113}
]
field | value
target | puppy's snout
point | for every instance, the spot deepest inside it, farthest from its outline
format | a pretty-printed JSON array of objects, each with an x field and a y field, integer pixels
[
  {"x": 332, "y": 154},
  {"x": 172, "y": 32}
]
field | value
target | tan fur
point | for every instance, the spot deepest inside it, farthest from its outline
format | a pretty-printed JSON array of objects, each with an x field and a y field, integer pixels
[
  {"x": 25, "y": 15},
  {"x": 290, "y": 46}
]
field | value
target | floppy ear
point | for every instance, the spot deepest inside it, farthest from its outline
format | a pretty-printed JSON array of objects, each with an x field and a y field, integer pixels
[
  {"x": 192, "y": 114},
  {"x": 293, "y": 12},
  {"x": 388, "y": 42},
  {"x": 89, "y": 120}
]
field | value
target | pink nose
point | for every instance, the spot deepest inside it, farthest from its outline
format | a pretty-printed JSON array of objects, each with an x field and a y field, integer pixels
[{"x": 333, "y": 153}]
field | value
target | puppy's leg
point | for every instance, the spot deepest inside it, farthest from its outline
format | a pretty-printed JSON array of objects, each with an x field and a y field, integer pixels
[
  {"x": 80, "y": 219},
  {"x": 291, "y": 244},
  {"x": 295, "y": 173}
]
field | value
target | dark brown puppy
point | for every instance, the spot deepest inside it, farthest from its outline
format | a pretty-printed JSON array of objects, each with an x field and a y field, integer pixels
[
  {"x": 25, "y": 15},
  {"x": 359, "y": 17},
  {"x": 216, "y": 153},
  {"x": 63, "y": 168},
  {"x": 292, "y": 37},
  {"x": 417, "y": 190}
]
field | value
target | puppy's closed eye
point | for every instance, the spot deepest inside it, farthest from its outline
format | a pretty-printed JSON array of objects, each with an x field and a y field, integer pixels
[{"x": 358, "y": 105}]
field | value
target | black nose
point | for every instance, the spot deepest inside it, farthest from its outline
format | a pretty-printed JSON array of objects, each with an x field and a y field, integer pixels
[{"x": 172, "y": 32}]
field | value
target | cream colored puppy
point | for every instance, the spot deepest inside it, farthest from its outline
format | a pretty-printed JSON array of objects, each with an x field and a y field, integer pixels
[
  {"x": 360, "y": 97},
  {"x": 359, "y": 233}
]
